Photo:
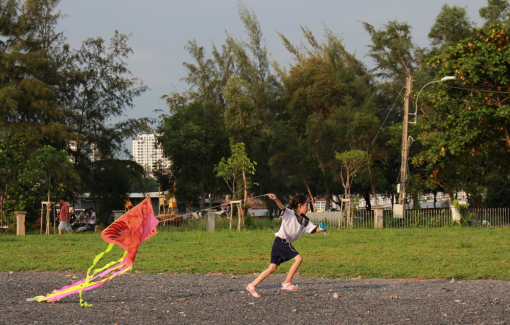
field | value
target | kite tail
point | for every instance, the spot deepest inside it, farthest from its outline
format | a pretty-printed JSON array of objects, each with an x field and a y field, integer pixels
[{"x": 120, "y": 266}]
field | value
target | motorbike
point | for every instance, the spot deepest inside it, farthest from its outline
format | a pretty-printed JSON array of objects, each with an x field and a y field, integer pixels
[{"x": 80, "y": 221}]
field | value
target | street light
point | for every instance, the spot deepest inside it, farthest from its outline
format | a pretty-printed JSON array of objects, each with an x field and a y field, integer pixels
[{"x": 447, "y": 78}]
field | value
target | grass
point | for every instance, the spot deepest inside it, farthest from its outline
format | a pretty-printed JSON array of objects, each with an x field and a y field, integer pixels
[{"x": 462, "y": 253}]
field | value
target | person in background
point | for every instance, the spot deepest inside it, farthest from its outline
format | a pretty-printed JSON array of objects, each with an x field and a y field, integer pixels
[
  {"x": 92, "y": 219},
  {"x": 64, "y": 217}
]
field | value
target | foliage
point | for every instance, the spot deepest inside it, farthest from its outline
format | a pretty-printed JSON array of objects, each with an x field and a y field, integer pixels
[
  {"x": 59, "y": 99},
  {"x": 234, "y": 170},
  {"x": 465, "y": 127},
  {"x": 48, "y": 171},
  {"x": 392, "y": 50},
  {"x": 330, "y": 98},
  {"x": 452, "y": 25},
  {"x": 496, "y": 11},
  {"x": 498, "y": 191},
  {"x": 351, "y": 162},
  {"x": 98, "y": 88},
  {"x": 29, "y": 78},
  {"x": 463, "y": 210},
  {"x": 110, "y": 182},
  {"x": 240, "y": 119},
  {"x": 194, "y": 139}
]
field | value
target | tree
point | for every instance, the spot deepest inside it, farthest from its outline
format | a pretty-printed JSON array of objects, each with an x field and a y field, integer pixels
[
  {"x": 110, "y": 182},
  {"x": 235, "y": 172},
  {"x": 351, "y": 162},
  {"x": 330, "y": 98},
  {"x": 452, "y": 25},
  {"x": 194, "y": 139},
  {"x": 240, "y": 121},
  {"x": 392, "y": 50},
  {"x": 466, "y": 126},
  {"x": 29, "y": 78},
  {"x": 47, "y": 171},
  {"x": 98, "y": 89},
  {"x": 496, "y": 12}
]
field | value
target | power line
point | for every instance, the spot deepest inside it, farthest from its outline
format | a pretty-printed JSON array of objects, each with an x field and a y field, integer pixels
[
  {"x": 481, "y": 90},
  {"x": 391, "y": 109}
]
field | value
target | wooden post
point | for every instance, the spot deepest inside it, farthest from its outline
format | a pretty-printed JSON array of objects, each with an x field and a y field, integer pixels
[
  {"x": 20, "y": 222},
  {"x": 405, "y": 144},
  {"x": 210, "y": 225},
  {"x": 42, "y": 209},
  {"x": 378, "y": 217},
  {"x": 238, "y": 205}
]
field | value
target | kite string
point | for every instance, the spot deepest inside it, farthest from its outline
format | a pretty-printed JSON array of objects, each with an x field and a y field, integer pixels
[{"x": 219, "y": 206}]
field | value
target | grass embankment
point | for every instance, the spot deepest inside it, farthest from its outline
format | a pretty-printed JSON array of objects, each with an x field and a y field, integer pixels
[{"x": 463, "y": 253}]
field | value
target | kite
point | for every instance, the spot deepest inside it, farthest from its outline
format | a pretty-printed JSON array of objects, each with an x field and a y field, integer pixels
[{"x": 129, "y": 231}]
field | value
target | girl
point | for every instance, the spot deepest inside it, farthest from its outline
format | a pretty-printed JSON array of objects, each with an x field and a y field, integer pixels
[{"x": 294, "y": 224}]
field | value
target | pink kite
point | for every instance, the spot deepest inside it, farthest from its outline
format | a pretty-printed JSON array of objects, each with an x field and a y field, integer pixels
[{"x": 129, "y": 231}]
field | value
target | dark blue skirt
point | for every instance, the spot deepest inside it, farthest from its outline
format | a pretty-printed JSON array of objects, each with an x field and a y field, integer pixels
[{"x": 282, "y": 251}]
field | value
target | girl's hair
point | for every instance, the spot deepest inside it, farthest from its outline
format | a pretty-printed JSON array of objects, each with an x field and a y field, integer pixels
[{"x": 298, "y": 199}]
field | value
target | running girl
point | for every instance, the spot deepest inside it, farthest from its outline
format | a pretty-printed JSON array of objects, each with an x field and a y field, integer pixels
[{"x": 294, "y": 224}]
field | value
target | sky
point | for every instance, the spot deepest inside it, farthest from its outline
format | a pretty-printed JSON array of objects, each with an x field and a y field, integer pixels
[{"x": 160, "y": 30}]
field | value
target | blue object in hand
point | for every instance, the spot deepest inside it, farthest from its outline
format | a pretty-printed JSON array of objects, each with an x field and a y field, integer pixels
[{"x": 323, "y": 227}]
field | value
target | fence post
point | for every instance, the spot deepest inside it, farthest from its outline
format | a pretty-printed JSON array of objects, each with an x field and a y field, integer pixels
[
  {"x": 378, "y": 217},
  {"x": 20, "y": 222},
  {"x": 455, "y": 214},
  {"x": 210, "y": 222},
  {"x": 117, "y": 214}
]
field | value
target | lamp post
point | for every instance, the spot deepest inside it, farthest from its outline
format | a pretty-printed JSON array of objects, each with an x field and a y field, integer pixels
[
  {"x": 405, "y": 137},
  {"x": 447, "y": 78}
]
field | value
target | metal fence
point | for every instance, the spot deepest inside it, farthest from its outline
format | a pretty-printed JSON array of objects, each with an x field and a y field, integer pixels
[
  {"x": 362, "y": 219},
  {"x": 430, "y": 218},
  {"x": 7, "y": 222},
  {"x": 499, "y": 217}
]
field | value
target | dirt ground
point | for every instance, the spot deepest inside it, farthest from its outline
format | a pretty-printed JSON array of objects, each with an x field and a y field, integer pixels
[{"x": 222, "y": 299}]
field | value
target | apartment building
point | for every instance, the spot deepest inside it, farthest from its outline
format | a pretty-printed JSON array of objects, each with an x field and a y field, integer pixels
[{"x": 146, "y": 152}]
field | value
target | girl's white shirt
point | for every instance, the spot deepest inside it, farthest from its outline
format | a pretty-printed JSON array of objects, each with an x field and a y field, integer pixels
[{"x": 291, "y": 229}]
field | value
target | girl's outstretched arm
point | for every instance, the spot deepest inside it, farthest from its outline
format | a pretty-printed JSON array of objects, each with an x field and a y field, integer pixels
[{"x": 275, "y": 199}]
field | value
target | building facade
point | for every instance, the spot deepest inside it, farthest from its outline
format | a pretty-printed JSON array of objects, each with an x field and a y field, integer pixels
[{"x": 146, "y": 152}]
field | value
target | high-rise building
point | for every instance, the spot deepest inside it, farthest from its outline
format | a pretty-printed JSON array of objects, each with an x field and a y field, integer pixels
[{"x": 146, "y": 152}]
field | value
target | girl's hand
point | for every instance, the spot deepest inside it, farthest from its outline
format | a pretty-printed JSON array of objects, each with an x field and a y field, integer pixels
[{"x": 271, "y": 196}]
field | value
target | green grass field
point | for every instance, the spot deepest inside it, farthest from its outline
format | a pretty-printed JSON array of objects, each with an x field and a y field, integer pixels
[{"x": 462, "y": 253}]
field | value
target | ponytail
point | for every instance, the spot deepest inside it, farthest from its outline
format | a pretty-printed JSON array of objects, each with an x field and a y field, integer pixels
[{"x": 298, "y": 199}]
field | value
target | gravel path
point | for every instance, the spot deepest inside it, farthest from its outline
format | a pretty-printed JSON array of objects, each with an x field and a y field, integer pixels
[{"x": 221, "y": 299}]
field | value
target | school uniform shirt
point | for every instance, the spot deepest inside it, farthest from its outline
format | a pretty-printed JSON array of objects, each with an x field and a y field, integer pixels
[{"x": 291, "y": 229}]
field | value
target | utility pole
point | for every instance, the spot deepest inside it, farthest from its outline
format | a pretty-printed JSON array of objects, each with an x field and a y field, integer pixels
[{"x": 405, "y": 143}]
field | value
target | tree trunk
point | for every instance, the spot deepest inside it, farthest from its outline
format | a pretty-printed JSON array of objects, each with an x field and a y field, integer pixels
[
  {"x": 202, "y": 200},
  {"x": 366, "y": 196},
  {"x": 48, "y": 209},
  {"x": 312, "y": 200},
  {"x": 328, "y": 195}
]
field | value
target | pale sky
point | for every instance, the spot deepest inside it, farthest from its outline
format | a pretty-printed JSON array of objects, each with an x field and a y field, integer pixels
[{"x": 161, "y": 28}]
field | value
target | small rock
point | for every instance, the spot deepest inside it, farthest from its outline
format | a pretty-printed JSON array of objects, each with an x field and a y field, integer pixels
[{"x": 335, "y": 295}]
